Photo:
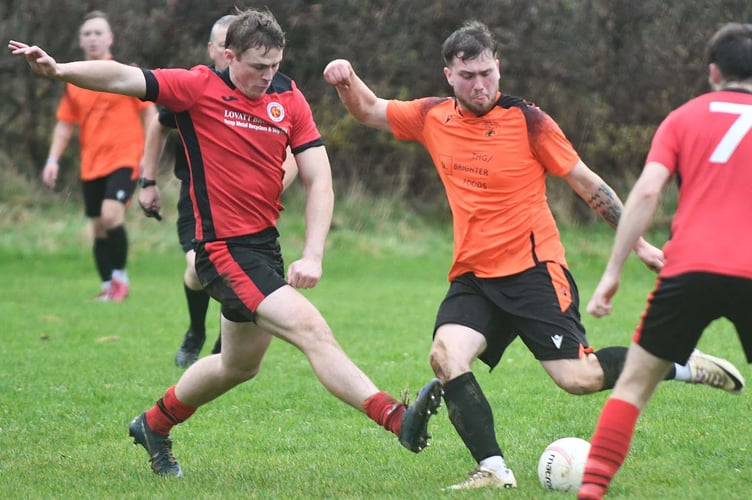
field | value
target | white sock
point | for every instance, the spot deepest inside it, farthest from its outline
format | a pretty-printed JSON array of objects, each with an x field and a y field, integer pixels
[
  {"x": 121, "y": 275},
  {"x": 682, "y": 372},
  {"x": 496, "y": 464},
  {"x": 106, "y": 285}
]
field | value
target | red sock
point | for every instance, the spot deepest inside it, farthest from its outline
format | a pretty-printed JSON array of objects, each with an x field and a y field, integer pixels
[
  {"x": 608, "y": 447},
  {"x": 167, "y": 413},
  {"x": 385, "y": 411}
]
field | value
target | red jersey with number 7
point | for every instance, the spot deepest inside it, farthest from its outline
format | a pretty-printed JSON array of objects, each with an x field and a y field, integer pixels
[{"x": 707, "y": 145}]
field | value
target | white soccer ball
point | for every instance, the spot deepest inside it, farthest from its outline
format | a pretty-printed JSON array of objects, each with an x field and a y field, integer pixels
[{"x": 562, "y": 464}]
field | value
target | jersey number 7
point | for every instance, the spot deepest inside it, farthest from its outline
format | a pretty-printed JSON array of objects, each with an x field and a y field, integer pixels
[{"x": 735, "y": 133}]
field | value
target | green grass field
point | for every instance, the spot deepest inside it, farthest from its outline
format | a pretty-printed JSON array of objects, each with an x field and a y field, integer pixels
[{"x": 74, "y": 372}]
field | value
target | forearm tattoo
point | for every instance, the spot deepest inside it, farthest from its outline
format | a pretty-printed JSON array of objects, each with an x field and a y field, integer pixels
[{"x": 606, "y": 204}]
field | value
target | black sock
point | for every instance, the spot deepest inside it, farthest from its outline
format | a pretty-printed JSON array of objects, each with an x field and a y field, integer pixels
[
  {"x": 471, "y": 416},
  {"x": 198, "y": 303},
  {"x": 117, "y": 243},
  {"x": 612, "y": 363},
  {"x": 102, "y": 260}
]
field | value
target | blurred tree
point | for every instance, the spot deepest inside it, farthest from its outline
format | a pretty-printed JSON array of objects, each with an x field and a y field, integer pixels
[{"x": 607, "y": 70}]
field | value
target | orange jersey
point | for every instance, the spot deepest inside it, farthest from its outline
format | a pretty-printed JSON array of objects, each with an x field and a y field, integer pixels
[
  {"x": 494, "y": 171},
  {"x": 110, "y": 130}
]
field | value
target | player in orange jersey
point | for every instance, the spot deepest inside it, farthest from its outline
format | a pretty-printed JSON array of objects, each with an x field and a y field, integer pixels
[
  {"x": 509, "y": 276},
  {"x": 111, "y": 136},
  {"x": 707, "y": 144}
]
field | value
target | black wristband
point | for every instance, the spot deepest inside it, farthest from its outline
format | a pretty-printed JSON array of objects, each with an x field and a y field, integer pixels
[{"x": 145, "y": 183}]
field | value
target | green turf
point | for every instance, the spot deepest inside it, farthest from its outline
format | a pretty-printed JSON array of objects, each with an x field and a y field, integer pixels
[{"x": 74, "y": 372}]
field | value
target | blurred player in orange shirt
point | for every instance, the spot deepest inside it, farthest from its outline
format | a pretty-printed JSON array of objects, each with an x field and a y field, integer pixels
[{"x": 111, "y": 136}]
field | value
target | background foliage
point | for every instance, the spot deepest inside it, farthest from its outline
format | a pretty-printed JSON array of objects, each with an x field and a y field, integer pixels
[{"x": 607, "y": 70}]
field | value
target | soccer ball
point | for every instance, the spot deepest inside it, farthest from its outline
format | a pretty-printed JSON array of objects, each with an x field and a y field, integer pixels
[{"x": 562, "y": 463}]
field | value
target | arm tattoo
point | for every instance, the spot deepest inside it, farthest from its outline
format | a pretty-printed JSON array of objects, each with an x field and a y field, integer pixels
[{"x": 606, "y": 204}]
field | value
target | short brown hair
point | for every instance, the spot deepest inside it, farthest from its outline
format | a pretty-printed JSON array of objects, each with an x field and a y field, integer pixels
[
  {"x": 252, "y": 29},
  {"x": 468, "y": 42}
]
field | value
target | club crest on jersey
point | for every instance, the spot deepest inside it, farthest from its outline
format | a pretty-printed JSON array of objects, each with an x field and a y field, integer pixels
[{"x": 275, "y": 111}]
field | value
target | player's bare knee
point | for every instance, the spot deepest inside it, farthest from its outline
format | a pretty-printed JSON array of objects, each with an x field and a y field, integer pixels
[
  {"x": 321, "y": 334},
  {"x": 312, "y": 333},
  {"x": 110, "y": 220},
  {"x": 446, "y": 364},
  {"x": 191, "y": 278},
  {"x": 437, "y": 360},
  {"x": 238, "y": 374},
  {"x": 439, "y": 356}
]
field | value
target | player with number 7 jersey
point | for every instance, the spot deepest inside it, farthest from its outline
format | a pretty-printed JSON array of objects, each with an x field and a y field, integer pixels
[{"x": 707, "y": 145}]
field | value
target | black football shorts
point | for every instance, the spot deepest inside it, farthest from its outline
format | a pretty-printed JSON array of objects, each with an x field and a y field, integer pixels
[
  {"x": 240, "y": 272},
  {"x": 540, "y": 305},
  {"x": 681, "y": 307},
  {"x": 118, "y": 185}
]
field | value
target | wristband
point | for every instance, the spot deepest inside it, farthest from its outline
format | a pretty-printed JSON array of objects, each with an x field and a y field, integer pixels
[
  {"x": 144, "y": 183},
  {"x": 51, "y": 160}
]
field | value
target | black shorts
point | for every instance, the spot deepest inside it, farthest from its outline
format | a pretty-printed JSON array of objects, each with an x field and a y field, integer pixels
[
  {"x": 681, "y": 307},
  {"x": 118, "y": 185},
  {"x": 540, "y": 305},
  {"x": 241, "y": 272},
  {"x": 186, "y": 223}
]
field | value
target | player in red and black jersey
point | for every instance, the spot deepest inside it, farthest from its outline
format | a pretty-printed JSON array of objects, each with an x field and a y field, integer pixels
[
  {"x": 706, "y": 144},
  {"x": 196, "y": 297},
  {"x": 509, "y": 275},
  {"x": 236, "y": 126}
]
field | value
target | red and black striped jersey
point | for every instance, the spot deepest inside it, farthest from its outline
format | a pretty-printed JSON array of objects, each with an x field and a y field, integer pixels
[{"x": 235, "y": 145}]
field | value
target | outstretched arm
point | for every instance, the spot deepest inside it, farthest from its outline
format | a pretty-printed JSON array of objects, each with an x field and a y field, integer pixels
[
  {"x": 106, "y": 76},
  {"x": 638, "y": 212},
  {"x": 359, "y": 100},
  {"x": 603, "y": 200}
]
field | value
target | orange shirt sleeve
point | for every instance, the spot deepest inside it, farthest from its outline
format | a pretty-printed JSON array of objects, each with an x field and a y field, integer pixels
[
  {"x": 549, "y": 144},
  {"x": 407, "y": 118}
]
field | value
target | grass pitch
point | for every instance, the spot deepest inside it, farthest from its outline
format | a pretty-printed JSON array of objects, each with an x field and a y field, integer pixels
[{"x": 74, "y": 372}]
